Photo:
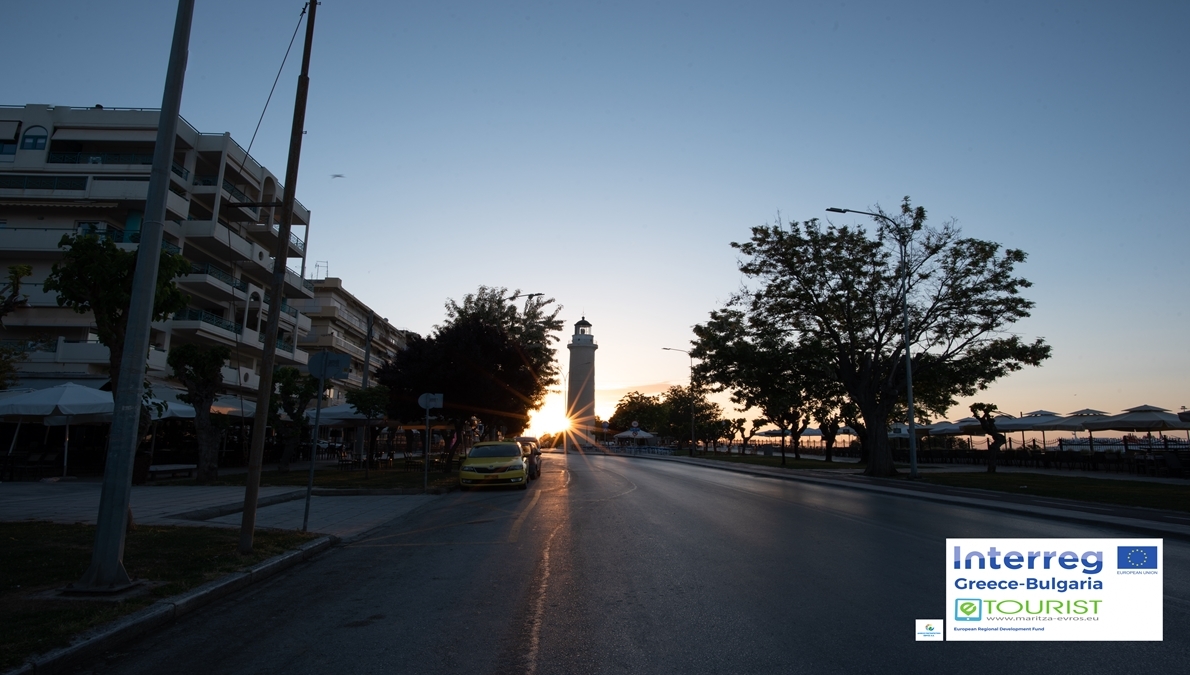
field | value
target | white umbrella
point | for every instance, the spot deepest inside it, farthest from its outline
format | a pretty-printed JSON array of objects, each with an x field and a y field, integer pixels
[
  {"x": 1074, "y": 421},
  {"x": 1030, "y": 421},
  {"x": 59, "y": 405},
  {"x": 634, "y": 433},
  {"x": 231, "y": 405},
  {"x": 1141, "y": 418}
]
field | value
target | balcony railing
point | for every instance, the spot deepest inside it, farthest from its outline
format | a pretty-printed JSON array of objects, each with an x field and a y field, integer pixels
[
  {"x": 19, "y": 182},
  {"x": 22, "y": 346},
  {"x": 99, "y": 158},
  {"x": 180, "y": 170},
  {"x": 285, "y": 306},
  {"x": 281, "y": 344},
  {"x": 295, "y": 240},
  {"x": 118, "y": 236},
  {"x": 239, "y": 195},
  {"x": 351, "y": 349},
  {"x": 211, "y": 270},
  {"x": 195, "y": 314}
]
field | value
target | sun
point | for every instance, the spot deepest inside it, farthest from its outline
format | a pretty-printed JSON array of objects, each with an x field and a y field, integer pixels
[{"x": 551, "y": 417}]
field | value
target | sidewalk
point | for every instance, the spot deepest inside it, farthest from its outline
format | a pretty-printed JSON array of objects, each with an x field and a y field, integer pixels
[
  {"x": 214, "y": 506},
  {"x": 1153, "y": 522}
]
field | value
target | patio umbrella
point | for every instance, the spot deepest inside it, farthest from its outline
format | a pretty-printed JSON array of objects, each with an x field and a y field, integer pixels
[
  {"x": 1148, "y": 418},
  {"x": 343, "y": 415},
  {"x": 1184, "y": 415},
  {"x": 633, "y": 433},
  {"x": 59, "y": 405},
  {"x": 1030, "y": 421},
  {"x": 173, "y": 411},
  {"x": 232, "y": 405},
  {"x": 1075, "y": 421}
]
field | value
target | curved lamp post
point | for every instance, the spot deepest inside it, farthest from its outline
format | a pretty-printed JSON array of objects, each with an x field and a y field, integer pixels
[
  {"x": 903, "y": 240},
  {"x": 672, "y": 349}
]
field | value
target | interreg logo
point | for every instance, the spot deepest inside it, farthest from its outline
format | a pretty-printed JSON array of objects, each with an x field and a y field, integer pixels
[
  {"x": 1136, "y": 557},
  {"x": 1091, "y": 561},
  {"x": 968, "y": 609}
]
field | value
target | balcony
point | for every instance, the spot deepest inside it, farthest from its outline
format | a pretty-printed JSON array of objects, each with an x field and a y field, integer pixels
[
  {"x": 203, "y": 316},
  {"x": 38, "y": 182},
  {"x": 208, "y": 280},
  {"x": 216, "y": 239},
  {"x": 99, "y": 158},
  {"x": 180, "y": 171}
]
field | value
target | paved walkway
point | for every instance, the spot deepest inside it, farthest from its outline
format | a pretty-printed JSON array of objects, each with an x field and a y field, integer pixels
[{"x": 217, "y": 506}]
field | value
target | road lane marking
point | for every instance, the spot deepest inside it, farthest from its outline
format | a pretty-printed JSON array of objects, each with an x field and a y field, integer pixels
[
  {"x": 520, "y": 520},
  {"x": 535, "y": 620}
]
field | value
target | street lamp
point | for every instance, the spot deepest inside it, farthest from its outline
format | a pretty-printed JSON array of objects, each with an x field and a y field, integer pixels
[
  {"x": 672, "y": 349},
  {"x": 903, "y": 234}
]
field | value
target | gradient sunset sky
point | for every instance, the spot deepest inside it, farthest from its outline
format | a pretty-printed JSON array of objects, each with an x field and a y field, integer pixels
[{"x": 607, "y": 153}]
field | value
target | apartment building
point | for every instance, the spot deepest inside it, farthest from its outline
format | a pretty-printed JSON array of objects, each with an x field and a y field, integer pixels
[
  {"x": 339, "y": 323},
  {"x": 67, "y": 170}
]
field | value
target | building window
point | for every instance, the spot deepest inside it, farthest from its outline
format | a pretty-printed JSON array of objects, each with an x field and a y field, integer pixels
[{"x": 34, "y": 139}]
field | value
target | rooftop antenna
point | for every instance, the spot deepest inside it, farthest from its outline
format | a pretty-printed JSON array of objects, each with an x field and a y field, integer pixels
[{"x": 325, "y": 268}]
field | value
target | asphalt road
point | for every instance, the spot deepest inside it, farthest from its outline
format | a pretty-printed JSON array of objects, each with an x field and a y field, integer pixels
[{"x": 616, "y": 565}]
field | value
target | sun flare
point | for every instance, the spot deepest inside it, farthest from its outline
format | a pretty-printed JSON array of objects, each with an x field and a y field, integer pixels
[{"x": 551, "y": 418}]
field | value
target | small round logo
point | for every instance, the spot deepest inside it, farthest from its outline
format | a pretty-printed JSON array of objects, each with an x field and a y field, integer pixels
[{"x": 930, "y": 627}]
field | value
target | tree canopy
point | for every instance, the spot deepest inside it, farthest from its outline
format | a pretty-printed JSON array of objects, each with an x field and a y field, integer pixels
[
  {"x": 489, "y": 360},
  {"x": 94, "y": 275},
  {"x": 837, "y": 290}
]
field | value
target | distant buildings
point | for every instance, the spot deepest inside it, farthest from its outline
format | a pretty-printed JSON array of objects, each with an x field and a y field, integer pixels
[
  {"x": 339, "y": 322},
  {"x": 86, "y": 170}
]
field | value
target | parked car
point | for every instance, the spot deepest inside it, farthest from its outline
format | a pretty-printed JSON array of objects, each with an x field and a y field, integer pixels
[
  {"x": 532, "y": 455},
  {"x": 495, "y": 463}
]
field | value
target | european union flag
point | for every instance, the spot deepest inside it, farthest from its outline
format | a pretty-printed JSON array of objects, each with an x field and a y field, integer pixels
[{"x": 1136, "y": 557}]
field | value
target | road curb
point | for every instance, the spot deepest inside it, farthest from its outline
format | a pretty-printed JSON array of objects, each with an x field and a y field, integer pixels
[
  {"x": 165, "y": 611},
  {"x": 1134, "y": 524},
  {"x": 236, "y": 507}
]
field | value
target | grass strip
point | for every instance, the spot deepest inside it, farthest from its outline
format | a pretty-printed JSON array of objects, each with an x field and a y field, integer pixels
[
  {"x": 39, "y": 558},
  {"x": 775, "y": 460},
  {"x": 1100, "y": 490}
]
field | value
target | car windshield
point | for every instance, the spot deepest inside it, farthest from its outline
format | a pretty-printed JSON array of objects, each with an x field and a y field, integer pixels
[{"x": 502, "y": 450}]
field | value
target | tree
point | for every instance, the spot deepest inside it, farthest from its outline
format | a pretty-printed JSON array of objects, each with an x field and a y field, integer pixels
[
  {"x": 200, "y": 370},
  {"x": 95, "y": 276},
  {"x": 678, "y": 402},
  {"x": 371, "y": 403},
  {"x": 650, "y": 412},
  {"x": 488, "y": 360},
  {"x": 751, "y": 358},
  {"x": 983, "y": 412},
  {"x": 294, "y": 392},
  {"x": 839, "y": 286},
  {"x": 12, "y": 299}
]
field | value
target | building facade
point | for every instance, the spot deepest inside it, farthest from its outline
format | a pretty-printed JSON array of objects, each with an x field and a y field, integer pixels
[
  {"x": 339, "y": 323},
  {"x": 69, "y": 171}
]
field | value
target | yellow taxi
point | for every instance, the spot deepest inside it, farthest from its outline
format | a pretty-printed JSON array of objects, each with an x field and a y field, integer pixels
[{"x": 494, "y": 463}]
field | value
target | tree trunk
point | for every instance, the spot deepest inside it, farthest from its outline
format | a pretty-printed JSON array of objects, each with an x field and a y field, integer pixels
[
  {"x": 208, "y": 444},
  {"x": 994, "y": 451},
  {"x": 880, "y": 460}
]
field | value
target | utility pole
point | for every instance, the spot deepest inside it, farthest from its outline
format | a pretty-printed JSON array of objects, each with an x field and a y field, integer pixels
[
  {"x": 268, "y": 359},
  {"x": 106, "y": 573}
]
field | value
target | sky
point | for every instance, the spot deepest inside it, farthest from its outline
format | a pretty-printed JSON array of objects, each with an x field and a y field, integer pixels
[{"x": 607, "y": 153}]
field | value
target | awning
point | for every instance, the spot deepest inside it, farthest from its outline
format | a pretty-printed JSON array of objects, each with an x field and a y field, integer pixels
[
  {"x": 83, "y": 134},
  {"x": 8, "y": 130}
]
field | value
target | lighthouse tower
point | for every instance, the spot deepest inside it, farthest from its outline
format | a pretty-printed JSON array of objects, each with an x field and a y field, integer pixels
[{"x": 580, "y": 392}]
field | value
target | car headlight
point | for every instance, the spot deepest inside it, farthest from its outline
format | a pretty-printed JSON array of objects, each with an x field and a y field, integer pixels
[{"x": 516, "y": 467}]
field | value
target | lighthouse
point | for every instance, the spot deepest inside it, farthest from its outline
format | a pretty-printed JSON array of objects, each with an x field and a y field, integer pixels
[{"x": 580, "y": 390}]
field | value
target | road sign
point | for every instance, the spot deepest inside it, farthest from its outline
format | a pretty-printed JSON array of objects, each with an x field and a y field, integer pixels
[
  {"x": 635, "y": 425},
  {"x": 329, "y": 365},
  {"x": 429, "y": 401}
]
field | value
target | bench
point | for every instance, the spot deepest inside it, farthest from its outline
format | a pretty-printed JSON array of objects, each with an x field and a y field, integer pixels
[{"x": 172, "y": 469}]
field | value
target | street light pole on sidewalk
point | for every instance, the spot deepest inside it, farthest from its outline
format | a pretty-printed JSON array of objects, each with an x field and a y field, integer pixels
[
  {"x": 268, "y": 358},
  {"x": 106, "y": 573},
  {"x": 903, "y": 234}
]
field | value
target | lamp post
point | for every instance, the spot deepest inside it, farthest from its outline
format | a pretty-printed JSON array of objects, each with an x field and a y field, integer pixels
[
  {"x": 903, "y": 234},
  {"x": 672, "y": 349}
]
